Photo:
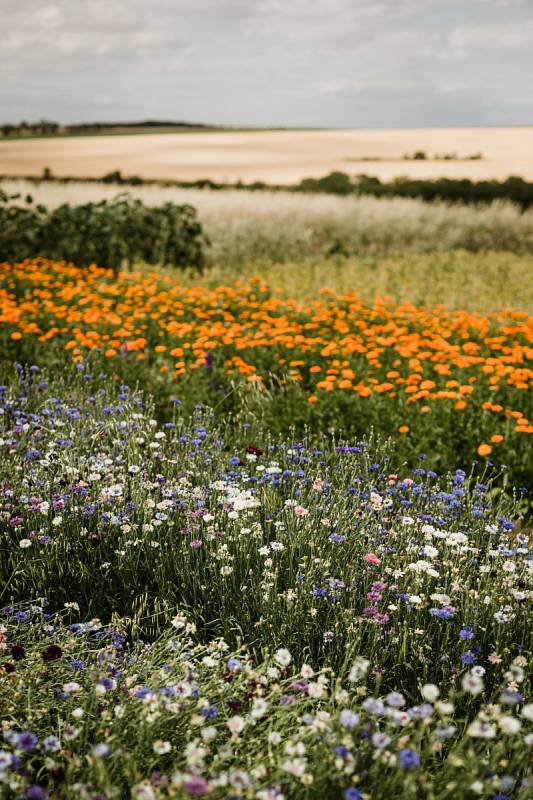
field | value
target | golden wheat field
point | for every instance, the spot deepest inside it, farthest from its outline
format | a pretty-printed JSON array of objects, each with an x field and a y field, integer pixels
[{"x": 280, "y": 156}]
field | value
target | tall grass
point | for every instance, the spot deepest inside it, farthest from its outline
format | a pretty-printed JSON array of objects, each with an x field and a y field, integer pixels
[
  {"x": 278, "y": 227},
  {"x": 458, "y": 279}
]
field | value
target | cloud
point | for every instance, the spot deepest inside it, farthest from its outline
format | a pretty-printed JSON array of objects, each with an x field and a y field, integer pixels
[{"x": 289, "y": 62}]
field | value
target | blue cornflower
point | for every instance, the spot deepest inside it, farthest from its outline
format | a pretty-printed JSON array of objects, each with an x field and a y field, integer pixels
[
  {"x": 468, "y": 658},
  {"x": 77, "y": 663},
  {"x": 441, "y": 613},
  {"x": 211, "y": 712},
  {"x": 466, "y": 633},
  {"x": 341, "y": 750},
  {"x": 27, "y": 741},
  {"x": 409, "y": 759},
  {"x": 352, "y": 794},
  {"x": 349, "y": 718},
  {"x": 51, "y": 743}
]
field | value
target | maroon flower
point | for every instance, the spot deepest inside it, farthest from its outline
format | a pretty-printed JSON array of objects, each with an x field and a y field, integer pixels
[
  {"x": 52, "y": 653},
  {"x": 18, "y": 652}
]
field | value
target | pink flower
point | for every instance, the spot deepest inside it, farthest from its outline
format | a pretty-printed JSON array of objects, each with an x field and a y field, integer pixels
[
  {"x": 300, "y": 511},
  {"x": 195, "y": 786},
  {"x": 392, "y": 479},
  {"x": 408, "y": 481},
  {"x": 371, "y": 558}
]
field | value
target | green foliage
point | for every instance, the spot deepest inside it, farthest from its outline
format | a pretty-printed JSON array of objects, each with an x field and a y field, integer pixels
[{"x": 112, "y": 233}]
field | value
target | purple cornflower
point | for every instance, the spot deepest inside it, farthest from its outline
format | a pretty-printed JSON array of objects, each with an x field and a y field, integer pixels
[
  {"x": 36, "y": 792},
  {"x": 466, "y": 633}
]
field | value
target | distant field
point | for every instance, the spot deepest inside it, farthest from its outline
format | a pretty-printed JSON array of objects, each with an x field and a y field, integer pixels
[{"x": 281, "y": 157}]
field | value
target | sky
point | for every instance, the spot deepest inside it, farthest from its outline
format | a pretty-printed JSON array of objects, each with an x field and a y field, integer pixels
[{"x": 324, "y": 63}]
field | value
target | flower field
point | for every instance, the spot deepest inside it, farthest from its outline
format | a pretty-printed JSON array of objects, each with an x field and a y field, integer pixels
[
  {"x": 254, "y": 546},
  {"x": 451, "y": 384},
  {"x": 186, "y": 614}
]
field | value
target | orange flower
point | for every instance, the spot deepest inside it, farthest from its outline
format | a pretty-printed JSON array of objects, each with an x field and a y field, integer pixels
[
  {"x": 312, "y": 399},
  {"x": 403, "y": 429},
  {"x": 484, "y": 450},
  {"x": 497, "y": 438}
]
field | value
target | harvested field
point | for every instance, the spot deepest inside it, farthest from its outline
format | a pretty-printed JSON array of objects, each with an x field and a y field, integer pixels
[{"x": 281, "y": 157}]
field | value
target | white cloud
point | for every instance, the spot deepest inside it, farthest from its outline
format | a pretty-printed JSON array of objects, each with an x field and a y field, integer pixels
[{"x": 309, "y": 62}]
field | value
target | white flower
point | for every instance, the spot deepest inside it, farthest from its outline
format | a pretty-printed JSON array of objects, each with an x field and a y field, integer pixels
[
  {"x": 430, "y": 692},
  {"x": 315, "y": 690},
  {"x": 25, "y": 543},
  {"x": 259, "y": 708},
  {"x": 160, "y": 747},
  {"x": 274, "y": 738},
  {"x": 527, "y": 712},
  {"x": 235, "y": 724},
  {"x": 295, "y": 766},
  {"x": 446, "y": 709},
  {"x": 481, "y": 730},
  {"x": 179, "y": 621},
  {"x": 509, "y": 725},
  {"x": 359, "y": 669},
  {"x": 142, "y": 791},
  {"x": 208, "y": 733},
  {"x": 283, "y": 657},
  {"x": 472, "y": 684},
  {"x": 71, "y": 687}
]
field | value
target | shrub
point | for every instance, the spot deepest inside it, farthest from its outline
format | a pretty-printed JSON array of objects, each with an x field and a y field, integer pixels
[{"x": 112, "y": 233}]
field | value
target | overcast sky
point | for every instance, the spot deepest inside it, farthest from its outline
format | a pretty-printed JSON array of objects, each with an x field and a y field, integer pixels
[{"x": 360, "y": 63}]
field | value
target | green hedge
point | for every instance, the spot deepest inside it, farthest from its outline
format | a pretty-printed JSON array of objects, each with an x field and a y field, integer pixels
[{"x": 464, "y": 190}]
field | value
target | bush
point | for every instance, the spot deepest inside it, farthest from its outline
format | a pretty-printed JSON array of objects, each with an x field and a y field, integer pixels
[{"x": 111, "y": 233}]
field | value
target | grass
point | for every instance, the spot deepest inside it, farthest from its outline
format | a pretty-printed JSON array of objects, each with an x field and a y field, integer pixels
[
  {"x": 282, "y": 227},
  {"x": 457, "y": 279}
]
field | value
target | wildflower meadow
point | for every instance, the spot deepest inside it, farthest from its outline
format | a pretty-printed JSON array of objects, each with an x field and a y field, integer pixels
[
  {"x": 191, "y": 611},
  {"x": 260, "y": 546}
]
